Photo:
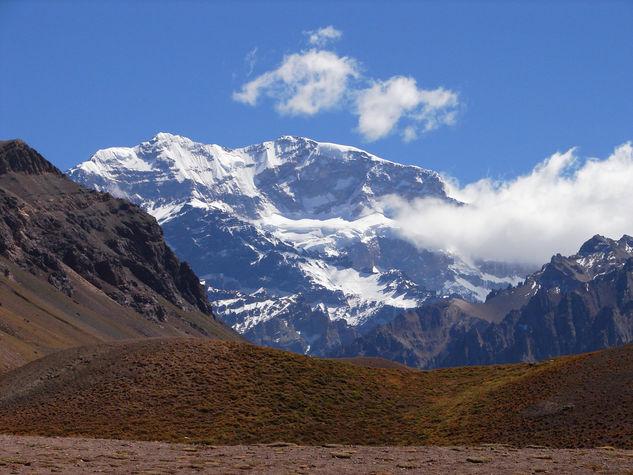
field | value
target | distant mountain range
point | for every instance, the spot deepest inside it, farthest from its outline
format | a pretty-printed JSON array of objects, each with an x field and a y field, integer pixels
[
  {"x": 572, "y": 305},
  {"x": 292, "y": 237},
  {"x": 80, "y": 267}
]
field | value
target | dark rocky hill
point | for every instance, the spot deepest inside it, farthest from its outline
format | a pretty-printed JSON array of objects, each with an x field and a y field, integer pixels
[
  {"x": 572, "y": 305},
  {"x": 79, "y": 266}
]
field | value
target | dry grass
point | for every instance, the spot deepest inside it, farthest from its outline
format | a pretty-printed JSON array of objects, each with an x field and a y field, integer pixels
[{"x": 233, "y": 393}]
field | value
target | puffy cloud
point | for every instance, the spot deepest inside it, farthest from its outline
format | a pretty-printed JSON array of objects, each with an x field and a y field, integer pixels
[
  {"x": 315, "y": 80},
  {"x": 305, "y": 83},
  {"x": 381, "y": 106},
  {"x": 322, "y": 36},
  {"x": 555, "y": 208}
]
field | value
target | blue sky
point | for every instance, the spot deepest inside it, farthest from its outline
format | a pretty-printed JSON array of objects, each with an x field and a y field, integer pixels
[{"x": 500, "y": 85}]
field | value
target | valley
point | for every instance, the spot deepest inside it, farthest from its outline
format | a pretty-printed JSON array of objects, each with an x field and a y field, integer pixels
[{"x": 107, "y": 335}]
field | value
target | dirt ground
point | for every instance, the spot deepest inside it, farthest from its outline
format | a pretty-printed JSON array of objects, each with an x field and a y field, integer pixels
[{"x": 21, "y": 454}]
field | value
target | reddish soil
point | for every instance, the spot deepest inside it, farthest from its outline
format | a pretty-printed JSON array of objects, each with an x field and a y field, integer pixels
[{"x": 19, "y": 454}]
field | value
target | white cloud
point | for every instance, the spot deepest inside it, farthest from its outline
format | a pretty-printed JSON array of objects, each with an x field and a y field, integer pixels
[
  {"x": 322, "y": 36},
  {"x": 381, "y": 106},
  {"x": 250, "y": 60},
  {"x": 409, "y": 134},
  {"x": 305, "y": 83},
  {"x": 555, "y": 208},
  {"x": 316, "y": 80}
]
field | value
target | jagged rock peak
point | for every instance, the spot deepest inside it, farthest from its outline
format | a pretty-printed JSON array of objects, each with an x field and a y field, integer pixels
[
  {"x": 600, "y": 243},
  {"x": 17, "y": 156}
]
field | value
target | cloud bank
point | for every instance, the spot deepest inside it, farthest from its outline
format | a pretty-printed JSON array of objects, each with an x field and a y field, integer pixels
[
  {"x": 317, "y": 80},
  {"x": 555, "y": 208}
]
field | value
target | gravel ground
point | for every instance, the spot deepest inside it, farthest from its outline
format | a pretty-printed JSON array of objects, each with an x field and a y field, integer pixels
[{"x": 21, "y": 454}]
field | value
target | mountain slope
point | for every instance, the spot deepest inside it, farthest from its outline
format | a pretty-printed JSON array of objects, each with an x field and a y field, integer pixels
[
  {"x": 79, "y": 266},
  {"x": 294, "y": 238},
  {"x": 234, "y": 393},
  {"x": 573, "y": 304}
]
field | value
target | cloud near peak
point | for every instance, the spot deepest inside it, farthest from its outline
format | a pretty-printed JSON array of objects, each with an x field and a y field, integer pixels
[
  {"x": 555, "y": 208},
  {"x": 316, "y": 80}
]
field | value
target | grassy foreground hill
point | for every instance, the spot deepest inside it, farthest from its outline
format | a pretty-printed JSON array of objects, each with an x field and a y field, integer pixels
[{"x": 221, "y": 392}]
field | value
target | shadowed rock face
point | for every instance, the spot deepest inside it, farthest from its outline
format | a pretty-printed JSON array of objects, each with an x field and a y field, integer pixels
[
  {"x": 590, "y": 315},
  {"x": 48, "y": 220},
  {"x": 80, "y": 241},
  {"x": 572, "y": 305}
]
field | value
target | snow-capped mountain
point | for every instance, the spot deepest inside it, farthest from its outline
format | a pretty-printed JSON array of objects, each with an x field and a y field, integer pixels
[{"x": 291, "y": 236}]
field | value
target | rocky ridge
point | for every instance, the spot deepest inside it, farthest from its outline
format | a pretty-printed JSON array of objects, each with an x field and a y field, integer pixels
[{"x": 572, "y": 305}]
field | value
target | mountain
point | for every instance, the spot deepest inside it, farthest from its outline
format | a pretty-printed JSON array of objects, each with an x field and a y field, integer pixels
[
  {"x": 216, "y": 392},
  {"x": 572, "y": 305},
  {"x": 79, "y": 266},
  {"x": 294, "y": 238}
]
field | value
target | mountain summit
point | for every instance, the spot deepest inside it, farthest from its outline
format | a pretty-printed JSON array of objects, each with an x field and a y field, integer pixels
[
  {"x": 294, "y": 176},
  {"x": 294, "y": 237}
]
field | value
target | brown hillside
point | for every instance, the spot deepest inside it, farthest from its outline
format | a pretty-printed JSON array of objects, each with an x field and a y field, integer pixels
[
  {"x": 233, "y": 393},
  {"x": 78, "y": 267},
  {"x": 37, "y": 319},
  {"x": 577, "y": 401},
  {"x": 373, "y": 362}
]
